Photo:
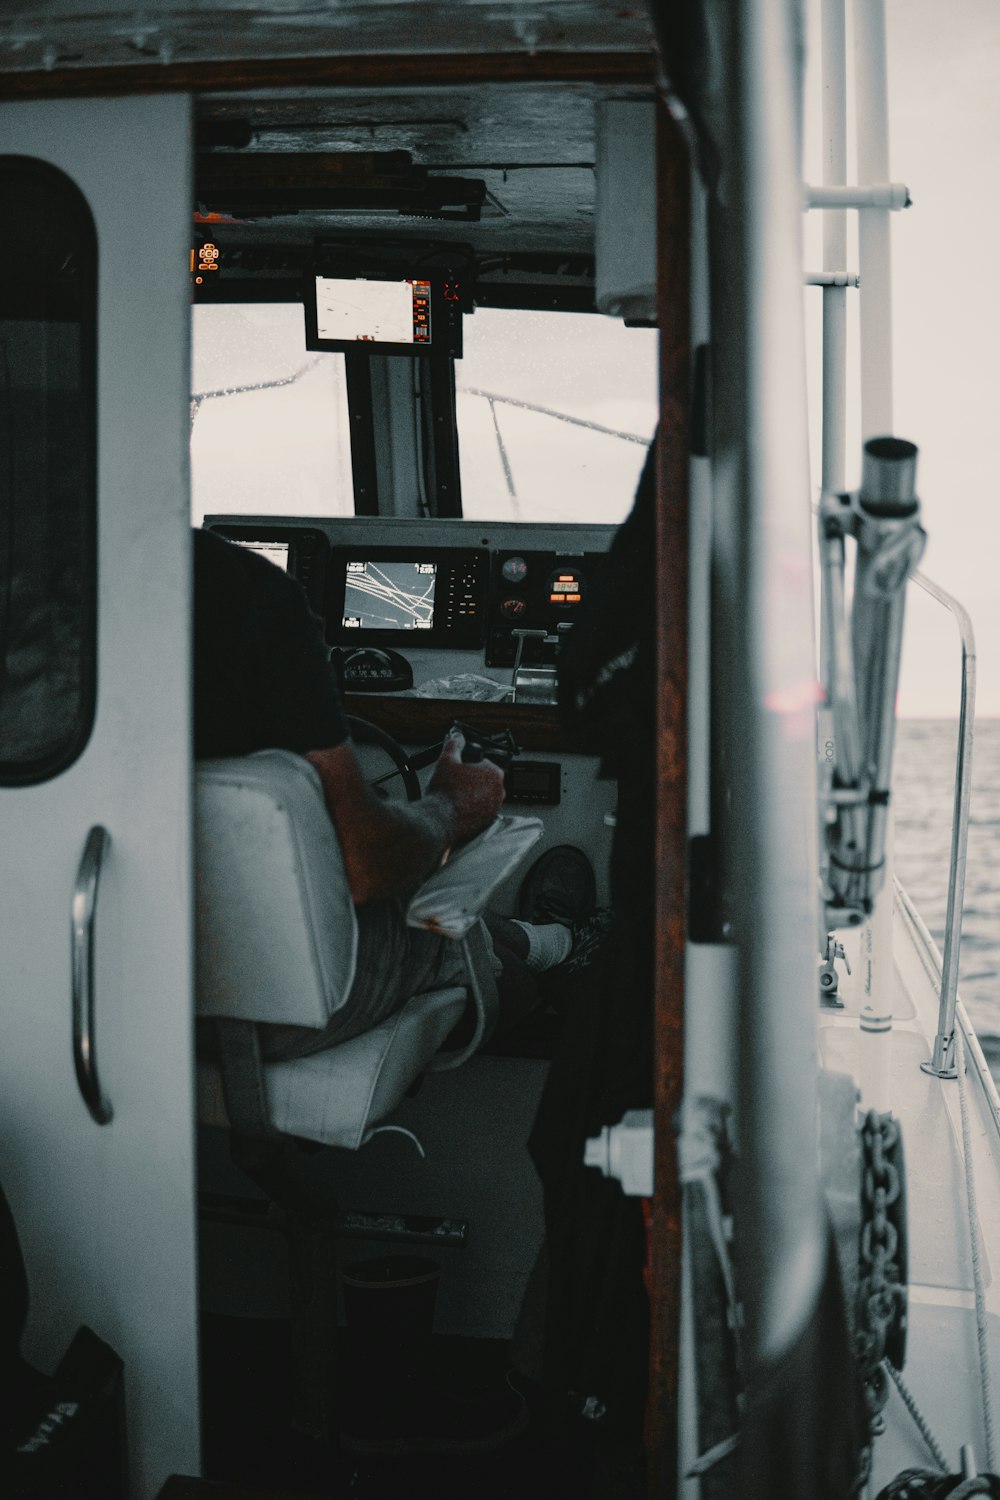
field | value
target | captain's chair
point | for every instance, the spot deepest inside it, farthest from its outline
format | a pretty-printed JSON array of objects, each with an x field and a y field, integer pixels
[{"x": 277, "y": 943}]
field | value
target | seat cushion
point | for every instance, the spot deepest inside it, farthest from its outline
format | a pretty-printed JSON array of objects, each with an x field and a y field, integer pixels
[
  {"x": 336, "y": 1096},
  {"x": 276, "y": 928}
]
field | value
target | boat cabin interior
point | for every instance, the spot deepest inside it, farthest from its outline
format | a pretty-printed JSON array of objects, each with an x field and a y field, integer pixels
[
  {"x": 482, "y": 323},
  {"x": 445, "y": 480},
  {"x": 424, "y": 383}
]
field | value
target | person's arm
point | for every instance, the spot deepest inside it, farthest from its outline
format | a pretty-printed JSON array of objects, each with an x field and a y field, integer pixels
[{"x": 389, "y": 847}]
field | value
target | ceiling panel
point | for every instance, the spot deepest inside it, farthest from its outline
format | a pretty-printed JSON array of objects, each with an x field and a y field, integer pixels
[
  {"x": 532, "y": 146},
  {"x": 47, "y": 34}
]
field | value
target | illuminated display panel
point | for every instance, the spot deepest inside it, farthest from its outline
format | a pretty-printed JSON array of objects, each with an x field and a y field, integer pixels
[
  {"x": 275, "y": 552},
  {"x": 389, "y": 595},
  {"x": 416, "y": 315},
  {"x": 374, "y": 312},
  {"x": 566, "y": 588}
]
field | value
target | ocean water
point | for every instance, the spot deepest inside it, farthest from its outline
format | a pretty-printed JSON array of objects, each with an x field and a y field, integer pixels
[{"x": 924, "y": 782}]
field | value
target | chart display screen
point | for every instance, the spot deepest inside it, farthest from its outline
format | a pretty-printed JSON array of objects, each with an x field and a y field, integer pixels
[
  {"x": 392, "y": 595},
  {"x": 419, "y": 315},
  {"x": 274, "y": 552},
  {"x": 373, "y": 312}
]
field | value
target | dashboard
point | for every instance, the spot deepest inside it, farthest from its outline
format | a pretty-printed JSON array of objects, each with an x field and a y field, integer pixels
[
  {"x": 426, "y": 588},
  {"x": 422, "y": 601}
]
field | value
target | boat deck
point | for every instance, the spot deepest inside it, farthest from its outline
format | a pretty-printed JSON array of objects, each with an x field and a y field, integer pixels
[{"x": 942, "y": 1363}]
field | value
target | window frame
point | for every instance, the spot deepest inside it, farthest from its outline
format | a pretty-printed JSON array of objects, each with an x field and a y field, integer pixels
[
  {"x": 542, "y": 299},
  {"x": 81, "y": 242},
  {"x": 360, "y": 406}
]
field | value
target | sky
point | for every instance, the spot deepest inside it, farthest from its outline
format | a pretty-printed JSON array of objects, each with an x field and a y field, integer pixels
[{"x": 944, "y": 122}]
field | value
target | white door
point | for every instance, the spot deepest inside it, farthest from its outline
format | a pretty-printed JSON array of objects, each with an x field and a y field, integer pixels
[{"x": 105, "y": 1211}]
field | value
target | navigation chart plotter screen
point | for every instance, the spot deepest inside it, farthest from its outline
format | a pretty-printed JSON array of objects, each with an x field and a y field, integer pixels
[
  {"x": 423, "y": 596},
  {"x": 375, "y": 312},
  {"x": 389, "y": 595}
]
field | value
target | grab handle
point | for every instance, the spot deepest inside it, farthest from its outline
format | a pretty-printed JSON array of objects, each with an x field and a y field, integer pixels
[{"x": 82, "y": 915}]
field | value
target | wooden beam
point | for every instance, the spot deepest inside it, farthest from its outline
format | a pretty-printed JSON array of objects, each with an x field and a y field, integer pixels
[
  {"x": 344, "y": 71},
  {"x": 674, "y": 293}
]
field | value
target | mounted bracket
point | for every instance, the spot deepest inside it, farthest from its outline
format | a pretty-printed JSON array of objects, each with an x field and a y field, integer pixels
[{"x": 883, "y": 517}]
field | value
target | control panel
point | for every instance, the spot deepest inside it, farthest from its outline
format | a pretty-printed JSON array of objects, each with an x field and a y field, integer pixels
[
  {"x": 535, "y": 782},
  {"x": 511, "y": 603},
  {"x": 538, "y": 591}
]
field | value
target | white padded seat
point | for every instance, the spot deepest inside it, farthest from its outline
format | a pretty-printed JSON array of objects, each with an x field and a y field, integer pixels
[
  {"x": 338, "y": 1095},
  {"x": 276, "y": 929},
  {"x": 277, "y": 942}
]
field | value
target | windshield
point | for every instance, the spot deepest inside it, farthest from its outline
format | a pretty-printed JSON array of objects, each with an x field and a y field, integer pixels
[
  {"x": 270, "y": 430},
  {"x": 555, "y": 411}
]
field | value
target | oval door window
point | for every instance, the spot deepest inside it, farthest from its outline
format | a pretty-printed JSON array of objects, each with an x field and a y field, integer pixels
[{"x": 48, "y": 452}]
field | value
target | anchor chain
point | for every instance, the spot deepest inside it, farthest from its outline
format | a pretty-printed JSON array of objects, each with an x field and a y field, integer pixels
[
  {"x": 881, "y": 1307},
  {"x": 921, "y": 1484}
]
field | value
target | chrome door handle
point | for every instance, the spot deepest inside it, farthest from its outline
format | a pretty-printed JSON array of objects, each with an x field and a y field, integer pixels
[{"x": 82, "y": 915}]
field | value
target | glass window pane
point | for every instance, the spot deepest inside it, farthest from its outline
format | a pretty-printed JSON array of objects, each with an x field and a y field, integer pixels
[
  {"x": 48, "y": 301},
  {"x": 555, "y": 411},
  {"x": 270, "y": 429}
]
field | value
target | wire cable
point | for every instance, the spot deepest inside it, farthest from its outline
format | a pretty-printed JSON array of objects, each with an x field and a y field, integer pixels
[{"x": 909, "y": 1401}]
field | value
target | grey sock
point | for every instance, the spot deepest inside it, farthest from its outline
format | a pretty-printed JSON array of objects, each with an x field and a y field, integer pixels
[{"x": 549, "y": 943}]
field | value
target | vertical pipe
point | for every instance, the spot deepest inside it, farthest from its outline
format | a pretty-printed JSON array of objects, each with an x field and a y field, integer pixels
[
  {"x": 834, "y": 434},
  {"x": 834, "y": 58},
  {"x": 762, "y": 480},
  {"x": 870, "y": 75}
]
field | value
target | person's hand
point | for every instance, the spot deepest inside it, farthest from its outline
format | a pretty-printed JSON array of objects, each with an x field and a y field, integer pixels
[{"x": 474, "y": 791}]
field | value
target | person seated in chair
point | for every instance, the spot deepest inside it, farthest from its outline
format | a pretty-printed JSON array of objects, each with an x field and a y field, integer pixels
[{"x": 262, "y": 680}]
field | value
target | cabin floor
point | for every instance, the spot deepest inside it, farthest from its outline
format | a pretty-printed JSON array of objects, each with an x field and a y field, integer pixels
[{"x": 250, "y": 1438}]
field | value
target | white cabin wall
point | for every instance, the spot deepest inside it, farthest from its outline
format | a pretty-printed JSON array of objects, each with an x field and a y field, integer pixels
[{"x": 105, "y": 1212}]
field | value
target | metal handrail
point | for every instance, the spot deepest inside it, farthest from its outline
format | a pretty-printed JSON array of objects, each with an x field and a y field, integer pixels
[
  {"x": 82, "y": 914},
  {"x": 942, "y": 1063},
  {"x": 931, "y": 959}
]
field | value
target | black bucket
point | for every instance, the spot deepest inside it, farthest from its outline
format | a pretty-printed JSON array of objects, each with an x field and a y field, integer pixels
[{"x": 390, "y": 1300}]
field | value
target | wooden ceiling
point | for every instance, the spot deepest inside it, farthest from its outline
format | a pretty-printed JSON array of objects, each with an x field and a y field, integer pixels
[
  {"x": 528, "y": 150},
  {"x": 497, "y": 94},
  {"x": 52, "y": 35}
]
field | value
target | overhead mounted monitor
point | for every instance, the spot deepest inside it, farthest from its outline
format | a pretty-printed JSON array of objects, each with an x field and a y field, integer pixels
[{"x": 418, "y": 314}]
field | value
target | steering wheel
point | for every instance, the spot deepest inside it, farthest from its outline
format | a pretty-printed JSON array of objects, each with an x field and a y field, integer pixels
[{"x": 377, "y": 746}]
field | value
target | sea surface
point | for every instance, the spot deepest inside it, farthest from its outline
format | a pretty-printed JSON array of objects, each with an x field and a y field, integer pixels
[{"x": 924, "y": 782}]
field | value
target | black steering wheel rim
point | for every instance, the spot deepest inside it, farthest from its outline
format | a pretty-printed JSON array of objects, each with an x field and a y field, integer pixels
[{"x": 367, "y": 733}]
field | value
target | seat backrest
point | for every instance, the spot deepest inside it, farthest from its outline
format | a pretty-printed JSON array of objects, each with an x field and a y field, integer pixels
[{"x": 276, "y": 928}]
